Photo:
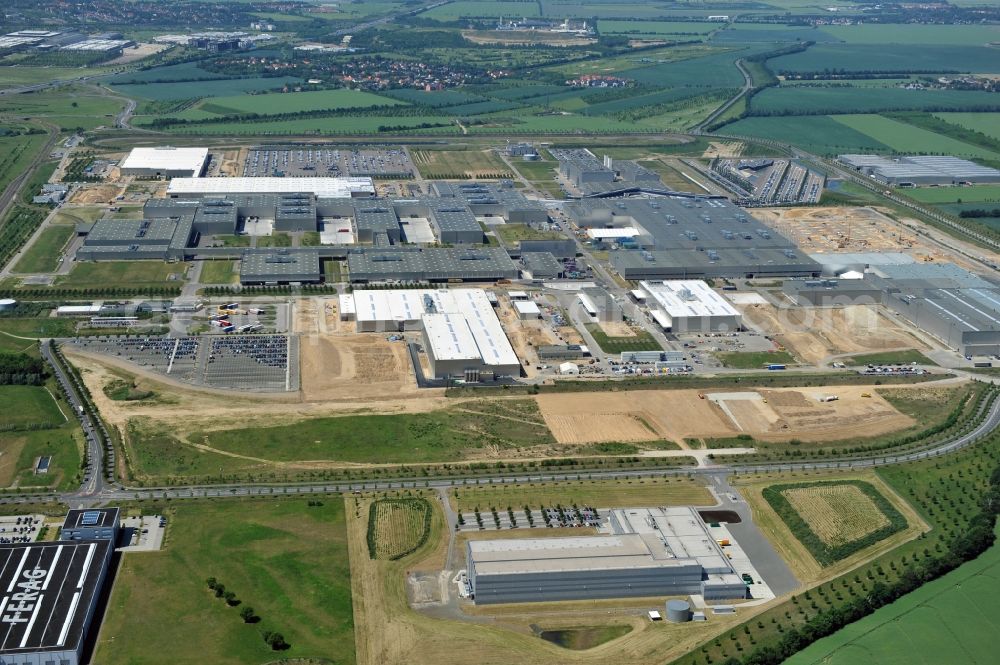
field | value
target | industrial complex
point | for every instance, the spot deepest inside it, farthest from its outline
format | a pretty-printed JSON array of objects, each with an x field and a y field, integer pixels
[
  {"x": 648, "y": 552},
  {"x": 919, "y": 170}
]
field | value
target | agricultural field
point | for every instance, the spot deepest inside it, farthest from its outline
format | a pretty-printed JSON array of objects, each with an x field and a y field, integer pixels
[
  {"x": 654, "y": 28},
  {"x": 802, "y": 100},
  {"x": 453, "y": 164},
  {"x": 951, "y": 619},
  {"x": 286, "y": 558},
  {"x": 397, "y": 527},
  {"x": 465, "y": 8},
  {"x": 817, "y": 133},
  {"x": 987, "y": 123},
  {"x": 291, "y": 102},
  {"x": 198, "y": 89},
  {"x": 44, "y": 253},
  {"x": 969, "y": 194},
  {"x": 132, "y": 273},
  {"x": 835, "y": 520},
  {"x": 902, "y": 137},
  {"x": 875, "y": 57},
  {"x": 912, "y": 33}
]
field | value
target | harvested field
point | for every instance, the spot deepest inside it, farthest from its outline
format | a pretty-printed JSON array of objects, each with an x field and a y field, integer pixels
[
  {"x": 837, "y": 513},
  {"x": 674, "y": 415},
  {"x": 815, "y": 334},
  {"x": 723, "y": 149},
  {"x": 89, "y": 194}
]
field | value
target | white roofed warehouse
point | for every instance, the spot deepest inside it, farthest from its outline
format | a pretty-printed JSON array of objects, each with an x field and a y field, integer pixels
[
  {"x": 461, "y": 332},
  {"x": 165, "y": 162},
  {"x": 690, "y": 305}
]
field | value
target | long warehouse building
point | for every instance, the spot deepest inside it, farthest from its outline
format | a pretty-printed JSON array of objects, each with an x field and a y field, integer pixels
[
  {"x": 461, "y": 332},
  {"x": 650, "y": 552}
]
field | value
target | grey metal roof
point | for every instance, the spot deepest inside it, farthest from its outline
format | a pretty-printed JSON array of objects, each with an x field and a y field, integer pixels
[{"x": 278, "y": 263}]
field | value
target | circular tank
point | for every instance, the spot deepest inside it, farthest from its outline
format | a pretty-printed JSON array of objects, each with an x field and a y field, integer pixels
[
  {"x": 7, "y": 303},
  {"x": 678, "y": 611}
]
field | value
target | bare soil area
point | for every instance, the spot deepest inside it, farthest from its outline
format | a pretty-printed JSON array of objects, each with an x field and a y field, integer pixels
[
  {"x": 616, "y": 329},
  {"x": 675, "y": 415},
  {"x": 355, "y": 366},
  {"x": 813, "y": 334},
  {"x": 728, "y": 149},
  {"x": 90, "y": 194}
]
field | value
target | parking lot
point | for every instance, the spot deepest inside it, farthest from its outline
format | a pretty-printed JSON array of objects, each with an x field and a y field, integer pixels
[
  {"x": 20, "y": 528},
  {"x": 328, "y": 161},
  {"x": 143, "y": 534}
]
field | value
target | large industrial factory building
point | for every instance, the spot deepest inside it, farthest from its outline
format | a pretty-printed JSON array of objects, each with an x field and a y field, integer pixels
[
  {"x": 650, "y": 552},
  {"x": 682, "y": 306},
  {"x": 462, "y": 335},
  {"x": 50, "y": 590}
]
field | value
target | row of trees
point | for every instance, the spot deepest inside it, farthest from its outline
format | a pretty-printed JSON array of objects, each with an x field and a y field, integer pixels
[
  {"x": 975, "y": 539},
  {"x": 273, "y": 639},
  {"x": 21, "y": 369}
]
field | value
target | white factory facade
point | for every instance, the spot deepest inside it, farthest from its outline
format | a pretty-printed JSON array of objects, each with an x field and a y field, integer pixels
[
  {"x": 462, "y": 335},
  {"x": 689, "y": 305}
]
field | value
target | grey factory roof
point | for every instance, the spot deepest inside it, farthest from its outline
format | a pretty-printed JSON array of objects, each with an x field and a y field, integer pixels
[
  {"x": 128, "y": 231},
  {"x": 732, "y": 260},
  {"x": 430, "y": 263},
  {"x": 376, "y": 215},
  {"x": 451, "y": 217},
  {"x": 971, "y": 310},
  {"x": 278, "y": 263},
  {"x": 541, "y": 264},
  {"x": 933, "y": 276},
  {"x": 686, "y": 223},
  {"x": 66, "y": 577},
  {"x": 944, "y": 168}
]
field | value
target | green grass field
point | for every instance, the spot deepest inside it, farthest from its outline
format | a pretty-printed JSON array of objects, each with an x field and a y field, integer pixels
[
  {"x": 70, "y": 108},
  {"x": 219, "y": 272},
  {"x": 515, "y": 233},
  {"x": 16, "y": 152},
  {"x": 987, "y": 123},
  {"x": 801, "y": 100},
  {"x": 294, "y": 102},
  {"x": 44, "y": 253},
  {"x": 915, "y": 34},
  {"x": 22, "y": 450},
  {"x": 906, "y": 138},
  {"x": 37, "y": 327},
  {"x": 754, "y": 359},
  {"x": 876, "y": 57},
  {"x": 816, "y": 133},
  {"x": 197, "y": 89},
  {"x": 971, "y": 194},
  {"x": 641, "y": 341},
  {"x": 654, "y": 28},
  {"x": 285, "y": 559},
  {"x": 123, "y": 273},
  {"x": 953, "y": 619},
  {"x": 456, "y": 163},
  {"x": 29, "y": 405},
  {"x": 890, "y": 358},
  {"x": 455, "y": 10}
]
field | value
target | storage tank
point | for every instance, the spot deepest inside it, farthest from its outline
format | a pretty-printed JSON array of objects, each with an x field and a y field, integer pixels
[
  {"x": 7, "y": 304},
  {"x": 678, "y": 611}
]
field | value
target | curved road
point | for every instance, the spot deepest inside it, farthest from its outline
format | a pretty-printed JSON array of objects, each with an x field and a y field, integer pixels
[{"x": 95, "y": 491}]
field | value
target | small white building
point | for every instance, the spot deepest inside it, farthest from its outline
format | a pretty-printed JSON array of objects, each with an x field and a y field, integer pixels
[
  {"x": 346, "y": 307},
  {"x": 527, "y": 310},
  {"x": 78, "y": 310},
  {"x": 569, "y": 368}
]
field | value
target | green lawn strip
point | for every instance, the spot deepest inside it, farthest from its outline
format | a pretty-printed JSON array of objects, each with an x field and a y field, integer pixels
[
  {"x": 44, "y": 253},
  {"x": 125, "y": 273},
  {"x": 755, "y": 359},
  {"x": 889, "y": 358},
  {"x": 641, "y": 341},
  {"x": 219, "y": 272},
  {"x": 28, "y": 406}
]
